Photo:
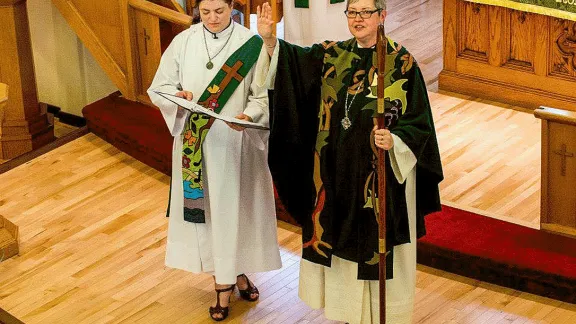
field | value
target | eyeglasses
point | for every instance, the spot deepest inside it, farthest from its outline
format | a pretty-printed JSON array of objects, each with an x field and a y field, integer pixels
[{"x": 364, "y": 14}]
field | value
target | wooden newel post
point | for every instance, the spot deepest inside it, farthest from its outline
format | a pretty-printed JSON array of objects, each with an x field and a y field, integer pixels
[
  {"x": 25, "y": 123},
  {"x": 381, "y": 53}
]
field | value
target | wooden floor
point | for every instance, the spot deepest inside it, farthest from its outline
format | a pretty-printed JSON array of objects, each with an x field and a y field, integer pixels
[
  {"x": 93, "y": 236},
  {"x": 417, "y": 25},
  {"x": 491, "y": 158}
]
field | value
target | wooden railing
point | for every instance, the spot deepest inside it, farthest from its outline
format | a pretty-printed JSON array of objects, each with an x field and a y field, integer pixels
[
  {"x": 146, "y": 45},
  {"x": 127, "y": 37}
]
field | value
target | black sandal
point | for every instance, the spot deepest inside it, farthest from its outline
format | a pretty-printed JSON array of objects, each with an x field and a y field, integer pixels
[
  {"x": 219, "y": 309},
  {"x": 247, "y": 293}
]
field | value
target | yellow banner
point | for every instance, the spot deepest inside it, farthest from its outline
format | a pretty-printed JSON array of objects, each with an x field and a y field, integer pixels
[{"x": 563, "y": 9}]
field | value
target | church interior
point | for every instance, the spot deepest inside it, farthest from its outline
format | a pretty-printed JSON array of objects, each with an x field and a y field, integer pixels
[{"x": 85, "y": 163}]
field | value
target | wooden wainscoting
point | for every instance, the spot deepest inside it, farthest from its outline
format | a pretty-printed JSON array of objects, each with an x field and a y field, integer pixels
[{"x": 509, "y": 56}]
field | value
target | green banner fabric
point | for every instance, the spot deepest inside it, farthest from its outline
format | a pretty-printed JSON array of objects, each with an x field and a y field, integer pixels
[
  {"x": 563, "y": 9},
  {"x": 306, "y": 3},
  {"x": 301, "y": 3}
]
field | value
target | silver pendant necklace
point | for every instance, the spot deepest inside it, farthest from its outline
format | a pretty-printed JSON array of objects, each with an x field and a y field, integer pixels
[
  {"x": 210, "y": 65},
  {"x": 346, "y": 122}
]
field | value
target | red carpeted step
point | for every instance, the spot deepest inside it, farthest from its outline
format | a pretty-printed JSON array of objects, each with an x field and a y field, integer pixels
[
  {"x": 499, "y": 252},
  {"x": 134, "y": 128}
]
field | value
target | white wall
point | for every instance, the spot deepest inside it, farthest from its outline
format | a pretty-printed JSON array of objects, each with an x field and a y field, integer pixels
[{"x": 67, "y": 76}]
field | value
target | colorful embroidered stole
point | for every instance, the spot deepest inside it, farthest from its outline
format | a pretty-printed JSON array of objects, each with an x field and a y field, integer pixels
[{"x": 219, "y": 90}]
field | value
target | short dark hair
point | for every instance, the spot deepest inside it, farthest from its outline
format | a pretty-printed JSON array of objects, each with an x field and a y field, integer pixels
[
  {"x": 379, "y": 4},
  {"x": 229, "y": 2}
]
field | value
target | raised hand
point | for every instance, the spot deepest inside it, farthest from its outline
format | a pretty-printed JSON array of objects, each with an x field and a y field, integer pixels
[{"x": 265, "y": 21}]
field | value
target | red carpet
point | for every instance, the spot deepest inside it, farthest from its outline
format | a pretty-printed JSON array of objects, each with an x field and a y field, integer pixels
[
  {"x": 457, "y": 241},
  {"x": 502, "y": 253}
]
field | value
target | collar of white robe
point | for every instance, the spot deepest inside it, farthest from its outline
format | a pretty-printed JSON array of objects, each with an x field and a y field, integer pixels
[{"x": 221, "y": 33}]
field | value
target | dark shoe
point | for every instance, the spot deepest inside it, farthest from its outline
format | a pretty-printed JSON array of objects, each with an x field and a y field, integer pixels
[
  {"x": 223, "y": 311},
  {"x": 247, "y": 293}
]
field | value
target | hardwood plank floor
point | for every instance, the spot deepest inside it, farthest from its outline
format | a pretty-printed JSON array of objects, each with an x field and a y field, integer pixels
[
  {"x": 93, "y": 236},
  {"x": 491, "y": 158}
]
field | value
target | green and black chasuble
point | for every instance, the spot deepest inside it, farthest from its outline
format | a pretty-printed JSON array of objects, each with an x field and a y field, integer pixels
[{"x": 322, "y": 155}]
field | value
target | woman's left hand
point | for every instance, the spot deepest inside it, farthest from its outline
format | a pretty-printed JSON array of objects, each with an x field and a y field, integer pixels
[
  {"x": 238, "y": 127},
  {"x": 383, "y": 138}
]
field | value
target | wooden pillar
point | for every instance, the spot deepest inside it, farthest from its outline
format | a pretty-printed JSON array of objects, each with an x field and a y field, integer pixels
[
  {"x": 558, "y": 194},
  {"x": 25, "y": 125}
]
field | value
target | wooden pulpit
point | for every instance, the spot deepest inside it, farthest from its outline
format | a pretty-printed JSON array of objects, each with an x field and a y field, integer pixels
[
  {"x": 25, "y": 124},
  {"x": 8, "y": 231},
  {"x": 558, "y": 194}
]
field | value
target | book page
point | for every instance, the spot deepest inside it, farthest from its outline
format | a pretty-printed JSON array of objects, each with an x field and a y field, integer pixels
[{"x": 196, "y": 108}]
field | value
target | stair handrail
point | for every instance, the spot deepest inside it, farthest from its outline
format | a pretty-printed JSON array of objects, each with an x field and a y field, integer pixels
[{"x": 162, "y": 12}]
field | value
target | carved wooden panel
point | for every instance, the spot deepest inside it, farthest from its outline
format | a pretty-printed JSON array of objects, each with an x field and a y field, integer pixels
[
  {"x": 521, "y": 35},
  {"x": 524, "y": 59},
  {"x": 149, "y": 48},
  {"x": 563, "y": 48},
  {"x": 474, "y": 38}
]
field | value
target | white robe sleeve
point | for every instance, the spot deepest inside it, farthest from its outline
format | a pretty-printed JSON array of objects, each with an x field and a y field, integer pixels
[
  {"x": 167, "y": 80},
  {"x": 402, "y": 159},
  {"x": 257, "y": 105},
  {"x": 266, "y": 73}
]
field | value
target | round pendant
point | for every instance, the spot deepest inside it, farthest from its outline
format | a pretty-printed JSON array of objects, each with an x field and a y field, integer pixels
[
  {"x": 346, "y": 123},
  {"x": 209, "y": 65}
]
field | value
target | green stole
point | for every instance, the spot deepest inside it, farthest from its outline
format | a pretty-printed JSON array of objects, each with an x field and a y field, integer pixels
[
  {"x": 306, "y": 3},
  {"x": 219, "y": 90}
]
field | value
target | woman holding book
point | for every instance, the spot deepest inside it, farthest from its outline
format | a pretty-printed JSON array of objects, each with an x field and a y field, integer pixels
[{"x": 221, "y": 214}]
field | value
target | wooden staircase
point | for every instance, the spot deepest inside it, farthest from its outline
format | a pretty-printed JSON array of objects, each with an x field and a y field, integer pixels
[
  {"x": 124, "y": 37},
  {"x": 127, "y": 37}
]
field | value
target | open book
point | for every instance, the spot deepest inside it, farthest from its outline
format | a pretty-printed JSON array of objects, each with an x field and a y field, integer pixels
[{"x": 196, "y": 108}]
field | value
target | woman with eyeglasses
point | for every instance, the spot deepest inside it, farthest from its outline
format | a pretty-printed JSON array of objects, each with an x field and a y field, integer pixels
[{"x": 323, "y": 149}]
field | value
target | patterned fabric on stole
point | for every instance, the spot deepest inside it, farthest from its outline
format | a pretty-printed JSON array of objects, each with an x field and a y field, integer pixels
[{"x": 219, "y": 90}]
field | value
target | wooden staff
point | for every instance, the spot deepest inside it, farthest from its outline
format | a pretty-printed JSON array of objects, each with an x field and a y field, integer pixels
[{"x": 381, "y": 53}]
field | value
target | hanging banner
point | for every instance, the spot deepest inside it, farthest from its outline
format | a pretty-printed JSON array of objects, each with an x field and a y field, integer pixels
[
  {"x": 563, "y": 9},
  {"x": 306, "y": 3}
]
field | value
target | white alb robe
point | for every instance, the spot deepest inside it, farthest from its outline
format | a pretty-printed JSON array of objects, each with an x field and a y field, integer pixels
[
  {"x": 240, "y": 231},
  {"x": 337, "y": 288}
]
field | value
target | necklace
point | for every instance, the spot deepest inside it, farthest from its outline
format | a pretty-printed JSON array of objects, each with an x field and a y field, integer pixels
[
  {"x": 346, "y": 122},
  {"x": 210, "y": 65}
]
